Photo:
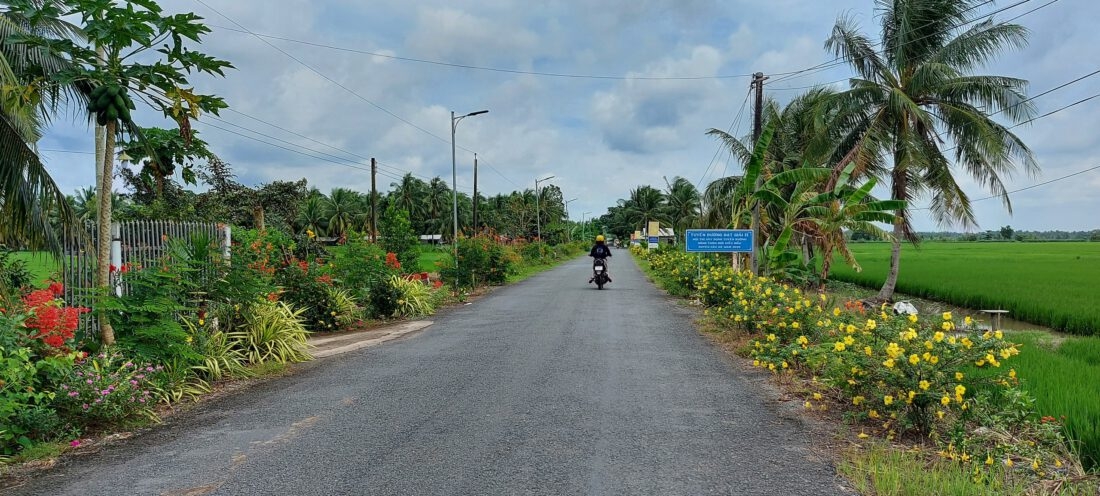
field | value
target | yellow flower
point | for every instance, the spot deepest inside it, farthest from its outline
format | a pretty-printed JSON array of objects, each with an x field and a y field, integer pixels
[
  {"x": 912, "y": 394},
  {"x": 989, "y": 460},
  {"x": 914, "y": 359},
  {"x": 913, "y": 318},
  {"x": 1057, "y": 463},
  {"x": 999, "y": 335},
  {"x": 857, "y": 400},
  {"x": 836, "y": 312},
  {"x": 771, "y": 366},
  {"x": 848, "y": 340},
  {"x": 933, "y": 359},
  {"x": 1012, "y": 373},
  {"x": 946, "y": 400},
  {"x": 959, "y": 376},
  {"x": 1035, "y": 464},
  {"x": 938, "y": 336},
  {"x": 808, "y": 405},
  {"x": 862, "y": 435},
  {"x": 850, "y": 329},
  {"x": 968, "y": 321},
  {"x": 785, "y": 365},
  {"x": 871, "y": 324},
  {"x": 795, "y": 325},
  {"x": 756, "y": 363},
  {"x": 202, "y": 322},
  {"x": 838, "y": 346},
  {"x": 940, "y": 414},
  {"x": 889, "y": 363},
  {"x": 924, "y": 385},
  {"x": 867, "y": 350},
  {"x": 967, "y": 342},
  {"x": 1008, "y": 462},
  {"x": 888, "y": 400},
  {"x": 189, "y": 339},
  {"x": 946, "y": 326},
  {"x": 946, "y": 315},
  {"x": 873, "y": 414},
  {"x": 771, "y": 337},
  {"x": 817, "y": 396},
  {"x": 803, "y": 340}
]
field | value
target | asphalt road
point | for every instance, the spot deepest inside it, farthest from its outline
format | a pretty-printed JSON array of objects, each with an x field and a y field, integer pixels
[{"x": 545, "y": 387}]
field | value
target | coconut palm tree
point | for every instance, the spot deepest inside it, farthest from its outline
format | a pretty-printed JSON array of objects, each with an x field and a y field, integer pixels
[
  {"x": 683, "y": 204},
  {"x": 28, "y": 194},
  {"x": 409, "y": 195},
  {"x": 313, "y": 216},
  {"x": 437, "y": 207},
  {"x": 341, "y": 206},
  {"x": 646, "y": 203},
  {"x": 919, "y": 94}
]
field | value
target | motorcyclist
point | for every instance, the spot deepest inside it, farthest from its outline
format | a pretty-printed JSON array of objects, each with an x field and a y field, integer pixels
[{"x": 600, "y": 250}]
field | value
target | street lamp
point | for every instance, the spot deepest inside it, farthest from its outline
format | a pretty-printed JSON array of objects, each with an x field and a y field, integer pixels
[
  {"x": 454, "y": 176},
  {"x": 584, "y": 226},
  {"x": 538, "y": 220},
  {"x": 568, "y": 219}
]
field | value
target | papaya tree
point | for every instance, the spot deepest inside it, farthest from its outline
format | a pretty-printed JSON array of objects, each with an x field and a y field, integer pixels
[{"x": 133, "y": 53}]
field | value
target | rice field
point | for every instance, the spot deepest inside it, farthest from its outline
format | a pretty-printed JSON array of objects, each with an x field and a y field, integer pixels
[
  {"x": 1063, "y": 378},
  {"x": 1051, "y": 284}
]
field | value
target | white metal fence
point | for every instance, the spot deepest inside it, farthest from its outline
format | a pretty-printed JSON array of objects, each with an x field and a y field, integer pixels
[{"x": 133, "y": 244}]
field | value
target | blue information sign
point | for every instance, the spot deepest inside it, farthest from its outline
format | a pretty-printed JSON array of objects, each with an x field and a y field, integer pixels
[
  {"x": 718, "y": 240},
  {"x": 653, "y": 239}
]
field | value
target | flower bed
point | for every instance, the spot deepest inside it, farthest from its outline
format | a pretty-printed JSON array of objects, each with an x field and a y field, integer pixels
[{"x": 923, "y": 379}]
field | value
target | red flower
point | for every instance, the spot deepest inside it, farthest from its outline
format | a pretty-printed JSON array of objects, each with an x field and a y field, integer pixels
[
  {"x": 48, "y": 319},
  {"x": 437, "y": 284},
  {"x": 391, "y": 260},
  {"x": 57, "y": 288},
  {"x": 112, "y": 268}
]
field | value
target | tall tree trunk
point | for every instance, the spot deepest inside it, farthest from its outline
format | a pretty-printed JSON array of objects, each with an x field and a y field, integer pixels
[
  {"x": 887, "y": 291},
  {"x": 103, "y": 237}
]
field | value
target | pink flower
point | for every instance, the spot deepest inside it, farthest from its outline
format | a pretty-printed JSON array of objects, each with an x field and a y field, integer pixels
[
  {"x": 133, "y": 382},
  {"x": 73, "y": 393},
  {"x": 75, "y": 443}
]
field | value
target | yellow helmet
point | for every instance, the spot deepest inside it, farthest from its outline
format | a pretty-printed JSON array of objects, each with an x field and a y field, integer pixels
[{"x": 599, "y": 237}]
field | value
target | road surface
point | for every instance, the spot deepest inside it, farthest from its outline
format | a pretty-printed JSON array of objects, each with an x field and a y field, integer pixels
[{"x": 544, "y": 387}]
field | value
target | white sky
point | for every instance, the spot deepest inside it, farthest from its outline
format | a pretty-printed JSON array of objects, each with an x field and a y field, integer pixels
[{"x": 599, "y": 136}]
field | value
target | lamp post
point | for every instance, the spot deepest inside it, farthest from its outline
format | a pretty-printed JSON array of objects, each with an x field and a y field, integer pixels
[
  {"x": 454, "y": 177},
  {"x": 538, "y": 220},
  {"x": 584, "y": 226},
  {"x": 567, "y": 217}
]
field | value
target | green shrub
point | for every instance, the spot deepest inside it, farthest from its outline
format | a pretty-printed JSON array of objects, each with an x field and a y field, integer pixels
[
  {"x": 397, "y": 237},
  {"x": 306, "y": 287},
  {"x": 481, "y": 260},
  {"x": 417, "y": 298},
  {"x": 146, "y": 316},
  {"x": 107, "y": 388},
  {"x": 272, "y": 331}
]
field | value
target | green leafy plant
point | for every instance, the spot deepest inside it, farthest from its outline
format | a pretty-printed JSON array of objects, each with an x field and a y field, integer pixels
[
  {"x": 272, "y": 331},
  {"x": 146, "y": 316},
  {"x": 398, "y": 237},
  {"x": 107, "y": 388},
  {"x": 416, "y": 297}
]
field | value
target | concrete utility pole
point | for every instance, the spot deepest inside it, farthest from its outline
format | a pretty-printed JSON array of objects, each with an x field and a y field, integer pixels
[
  {"x": 373, "y": 201},
  {"x": 475, "y": 195},
  {"x": 757, "y": 123}
]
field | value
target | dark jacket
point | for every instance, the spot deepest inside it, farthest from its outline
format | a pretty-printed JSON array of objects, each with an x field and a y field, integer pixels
[{"x": 600, "y": 251}]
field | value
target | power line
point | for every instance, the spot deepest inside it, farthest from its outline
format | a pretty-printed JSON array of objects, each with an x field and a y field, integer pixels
[
  {"x": 736, "y": 120},
  {"x": 322, "y": 75},
  {"x": 337, "y": 83},
  {"x": 838, "y": 61},
  {"x": 1033, "y": 186},
  {"x": 483, "y": 68}
]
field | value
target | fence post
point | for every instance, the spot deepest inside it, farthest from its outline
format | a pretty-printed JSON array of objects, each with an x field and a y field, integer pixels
[
  {"x": 116, "y": 254},
  {"x": 227, "y": 241}
]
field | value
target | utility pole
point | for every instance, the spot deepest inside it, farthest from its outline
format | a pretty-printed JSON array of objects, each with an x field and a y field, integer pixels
[
  {"x": 475, "y": 195},
  {"x": 373, "y": 201},
  {"x": 757, "y": 123}
]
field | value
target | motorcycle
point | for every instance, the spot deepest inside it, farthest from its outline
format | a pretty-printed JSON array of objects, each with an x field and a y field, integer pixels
[{"x": 599, "y": 272}]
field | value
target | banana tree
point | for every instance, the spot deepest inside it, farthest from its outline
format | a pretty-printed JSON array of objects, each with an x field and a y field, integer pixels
[{"x": 142, "y": 58}]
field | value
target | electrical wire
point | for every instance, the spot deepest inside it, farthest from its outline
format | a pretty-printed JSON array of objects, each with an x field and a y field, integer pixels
[{"x": 733, "y": 124}]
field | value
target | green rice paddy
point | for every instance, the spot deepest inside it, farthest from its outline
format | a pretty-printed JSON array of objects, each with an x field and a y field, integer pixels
[{"x": 1051, "y": 284}]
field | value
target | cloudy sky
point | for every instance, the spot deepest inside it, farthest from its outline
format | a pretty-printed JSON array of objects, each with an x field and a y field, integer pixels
[{"x": 605, "y": 95}]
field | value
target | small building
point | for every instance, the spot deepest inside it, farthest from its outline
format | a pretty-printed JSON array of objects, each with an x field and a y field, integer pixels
[{"x": 431, "y": 239}]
